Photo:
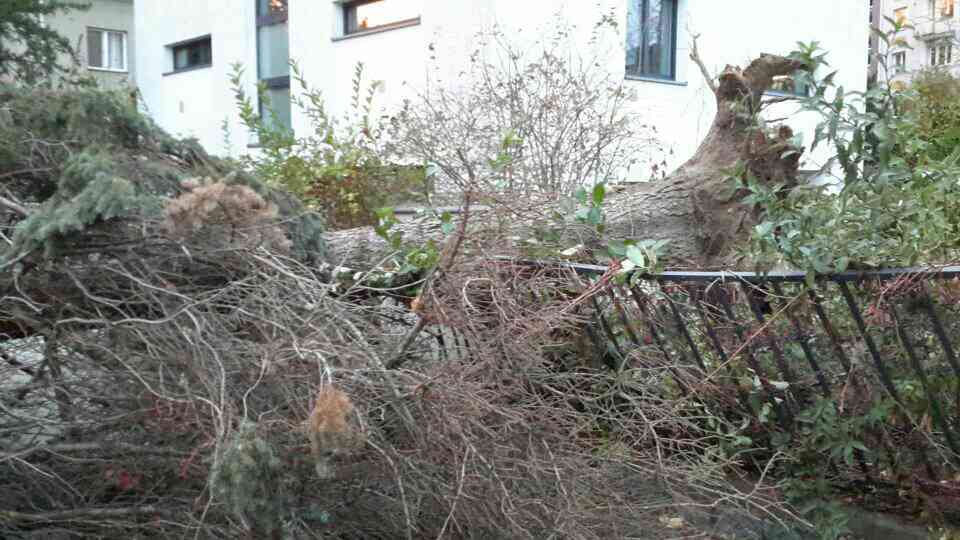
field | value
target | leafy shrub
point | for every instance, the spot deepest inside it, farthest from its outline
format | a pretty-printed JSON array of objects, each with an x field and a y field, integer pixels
[
  {"x": 930, "y": 117},
  {"x": 896, "y": 153},
  {"x": 340, "y": 166},
  {"x": 527, "y": 118}
]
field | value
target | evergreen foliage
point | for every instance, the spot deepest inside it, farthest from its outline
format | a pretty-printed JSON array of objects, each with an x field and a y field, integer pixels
[
  {"x": 30, "y": 51},
  {"x": 83, "y": 156},
  {"x": 89, "y": 190},
  {"x": 248, "y": 480}
]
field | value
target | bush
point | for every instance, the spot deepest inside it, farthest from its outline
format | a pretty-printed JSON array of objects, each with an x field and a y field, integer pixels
[
  {"x": 930, "y": 125},
  {"x": 340, "y": 167},
  {"x": 897, "y": 153},
  {"x": 527, "y": 119}
]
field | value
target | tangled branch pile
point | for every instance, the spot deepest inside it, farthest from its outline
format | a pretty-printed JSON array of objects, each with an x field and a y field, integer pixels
[{"x": 174, "y": 364}]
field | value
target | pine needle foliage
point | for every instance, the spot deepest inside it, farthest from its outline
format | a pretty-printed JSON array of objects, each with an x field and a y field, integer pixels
[
  {"x": 81, "y": 157},
  {"x": 30, "y": 51},
  {"x": 248, "y": 480}
]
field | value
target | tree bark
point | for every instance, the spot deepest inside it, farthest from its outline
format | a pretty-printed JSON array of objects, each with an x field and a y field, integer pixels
[{"x": 694, "y": 207}]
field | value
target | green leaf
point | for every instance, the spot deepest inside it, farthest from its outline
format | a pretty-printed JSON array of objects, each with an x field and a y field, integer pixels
[
  {"x": 595, "y": 216},
  {"x": 599, "y": 192},
  {"x": 446, "y": 223},
  {"x": 637, "y": 256},
  {"x": 617, "y": 249}
]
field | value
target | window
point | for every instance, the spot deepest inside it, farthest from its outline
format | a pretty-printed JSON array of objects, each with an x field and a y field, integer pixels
[
  {"x": 899, "y": 62},
  {"x": 192, "y": 54},
  {"x": 273, "y": 61},
  {"x": 900, "y": 15},
  {"x": 789, "y": 85},
  {"x": 272, "y": 8},
  {"x": 106, "y": 49},
  {"x": 941, "y": 8},
  {"x": 941, "y": 53},
  {"x": 365, "y": 15},
  {"x": 652, "y": 38}
]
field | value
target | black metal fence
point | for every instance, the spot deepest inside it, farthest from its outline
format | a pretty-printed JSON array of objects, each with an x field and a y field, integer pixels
[{"x": 867, "y": 358}]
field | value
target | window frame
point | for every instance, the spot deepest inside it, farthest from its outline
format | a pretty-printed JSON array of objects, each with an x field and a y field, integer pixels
[
  {"x": 173, "y": 47},
  {"x": 936, "y": 50},
  {"x": 899, "y": 67},
  {"x": 674, "y": 20},
  {"x": 345, "y": 32},
  {"x": 105, "y": 50},
  {"x": 941, "y": 9}
]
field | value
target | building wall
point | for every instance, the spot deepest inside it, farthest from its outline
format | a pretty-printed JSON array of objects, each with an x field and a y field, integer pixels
[
  {"x": 403, "y": 57},
  {"x": 196, "y": 103},
  {"x": 928, "y": 27},
  {"x": 104, "y": 14}
]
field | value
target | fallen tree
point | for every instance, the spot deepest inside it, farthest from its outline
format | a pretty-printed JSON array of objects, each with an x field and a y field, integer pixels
[
  {"x": 694, "y": 207},
  {"x": 173, "y": 363}
]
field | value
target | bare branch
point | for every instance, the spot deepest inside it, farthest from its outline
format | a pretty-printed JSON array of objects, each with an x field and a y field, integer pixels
[
  {"x": 11, "y": 205},
  {"x": 11, "y": 516},
  {"x": 695, "y": 56}
]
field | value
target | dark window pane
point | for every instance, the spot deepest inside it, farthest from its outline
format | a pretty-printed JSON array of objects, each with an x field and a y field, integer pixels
[
  {"x": 790, "y": 84},
  {"x": 273, "y": 49},
  {"x": 193, "y": 54},
  {"x": 275, "y": 109},
  {"x": 95, "y": 48},
  {"x": 651, "y": 38}
]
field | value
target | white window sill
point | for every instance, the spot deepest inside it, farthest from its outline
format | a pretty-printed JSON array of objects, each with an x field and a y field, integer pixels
[
  {"x": 107, "y": 70},
  {"x": 642, "y": 78},
  {"x": 380, "y": 29}
]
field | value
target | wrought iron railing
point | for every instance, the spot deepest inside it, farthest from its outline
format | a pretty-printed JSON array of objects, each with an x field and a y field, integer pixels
[{"x": 876, "y": 345}]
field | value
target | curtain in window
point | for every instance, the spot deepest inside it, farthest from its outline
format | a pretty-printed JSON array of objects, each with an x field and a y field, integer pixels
[
  {"x": 95, "y": 48},
  {"x": 115, "y": 47},
  {"x": 651, "y": 37},
  {"x": 658, "y": 40},
  {"x": 634, "y": 35}
]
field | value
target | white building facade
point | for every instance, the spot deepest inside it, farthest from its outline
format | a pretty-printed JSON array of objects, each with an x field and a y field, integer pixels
[
  {"x": 186, "y": 49},
  {"x": 928, "y": 41}
]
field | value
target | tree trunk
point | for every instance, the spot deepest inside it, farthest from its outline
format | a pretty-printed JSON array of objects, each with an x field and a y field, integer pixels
[{"x": 694, "y": 208}]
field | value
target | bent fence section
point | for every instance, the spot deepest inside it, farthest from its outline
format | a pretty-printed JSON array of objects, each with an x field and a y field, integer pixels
[{"x": 863, "y": 366}]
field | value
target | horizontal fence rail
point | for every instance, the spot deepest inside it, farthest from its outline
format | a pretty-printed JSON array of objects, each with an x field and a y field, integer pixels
[{"x": 683, "y": 276}]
